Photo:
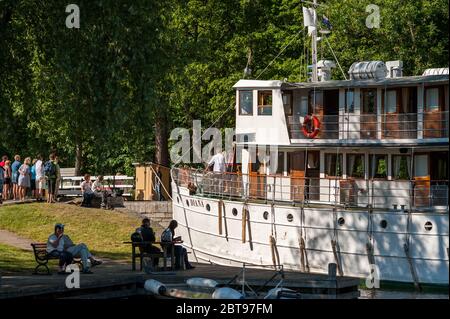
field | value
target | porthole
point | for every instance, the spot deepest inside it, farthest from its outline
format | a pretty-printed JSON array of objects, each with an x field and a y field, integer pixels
[
  {"x": 341, "y": 221},
  {"x": 234, "y": 212},
  {"x": 266, "y": 215},
  {"x": 208, "y": 208},
  {"x": 428, "y": 226},
  {"x": 383, "y": 224},
  {"x": 187, "y": 202},
  {"x": 290, "y": 218}
]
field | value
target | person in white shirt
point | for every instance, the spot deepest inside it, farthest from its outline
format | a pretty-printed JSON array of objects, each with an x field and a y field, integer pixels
[
  {"x": 100, "y": 191},
  {"x": 55, "y": 248},
  {"x": 86, "y": 191},
  {"x": 40, "y": 178},
  {"x": 217, "y": 162}
]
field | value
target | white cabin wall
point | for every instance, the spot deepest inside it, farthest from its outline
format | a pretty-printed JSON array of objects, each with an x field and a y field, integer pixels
[{"x": 264, "y": 129}]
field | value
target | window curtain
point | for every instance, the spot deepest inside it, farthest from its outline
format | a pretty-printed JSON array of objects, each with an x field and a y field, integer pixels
[
  {"x": 408, "y": 164},
  {"x": 405, "y": 100},
  {"x": 329, "y": 161},
  {"x": 373, "y": 166},
  {"x": 351, "y": 164},
  {"x": 396, "y": 168}
]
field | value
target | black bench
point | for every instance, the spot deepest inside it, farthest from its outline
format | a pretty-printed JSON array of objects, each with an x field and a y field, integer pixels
[
  {"x": 141, "y": 254},
  {"x": 42, "y": 257}
]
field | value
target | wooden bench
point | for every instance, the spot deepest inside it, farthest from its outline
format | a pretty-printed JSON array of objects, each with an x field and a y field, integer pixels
[
  {"x": 42, "y": 257},
  {"x": 141, "y": 254}
]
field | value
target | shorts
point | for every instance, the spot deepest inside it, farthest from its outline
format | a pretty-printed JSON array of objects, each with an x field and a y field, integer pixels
[
  {"x": 7, "y": 181},
  {"x": 51, "y": 183},
  {"x": 15, "y": 178},
  {"x": 33, "y": 184},
  {"x": 41, "y": 183}
]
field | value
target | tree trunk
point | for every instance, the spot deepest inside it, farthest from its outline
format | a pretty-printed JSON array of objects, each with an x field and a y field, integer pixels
[
  {"x": 78, "y": 159},
  {"x": 161, "y": 143}
]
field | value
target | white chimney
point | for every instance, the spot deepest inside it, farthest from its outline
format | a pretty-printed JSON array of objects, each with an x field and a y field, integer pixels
[
  {"x": 324, "y": 68},
  {"x": 395, "y": 69}
]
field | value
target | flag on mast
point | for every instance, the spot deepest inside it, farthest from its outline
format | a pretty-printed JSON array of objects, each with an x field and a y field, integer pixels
[
  {"x": 327, "y": 22},
  {"x": 309, "y": 17}
]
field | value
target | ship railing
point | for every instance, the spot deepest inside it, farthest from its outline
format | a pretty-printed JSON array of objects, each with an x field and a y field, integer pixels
[
  {"x": 349, "y": 192},
  {"x": 376, "y": 126}
]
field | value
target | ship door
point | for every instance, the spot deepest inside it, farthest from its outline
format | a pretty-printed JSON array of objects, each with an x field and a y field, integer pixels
[
  {"x": 312, "y": 174},
  {"x": 257, "y": 179},
  {"x": 421, "y": 180},
  {"x": 297, "y": 173}
]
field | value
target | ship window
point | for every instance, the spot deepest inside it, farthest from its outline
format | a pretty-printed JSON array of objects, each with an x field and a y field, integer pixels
[
  {"x": 245, "y": 103},
  {"x": 391, "y": 101},
  {"x": 401, "y": 167},
  {"x": 287, "y": 103},
  {"x": 264, "y": 102},
  {"x": 355, "y": 165},
  {"x": 378, "y": 166},
  {"x": 349, "y": 101},
  {"x": 432, "y": 99},
  {"x": 369, "y": 100},
  {"x": 333, "y": 165}
]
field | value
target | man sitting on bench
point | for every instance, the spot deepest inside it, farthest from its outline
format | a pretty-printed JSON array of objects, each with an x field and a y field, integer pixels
[
  {"x": 80, "y": 251},
  {"x": 148, "y": 235},
  {"x": 55, "y": 248},
  {"x": 168, "y": 236}
]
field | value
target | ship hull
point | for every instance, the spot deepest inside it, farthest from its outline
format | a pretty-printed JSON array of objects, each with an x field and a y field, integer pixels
[{"x": 330, "y": 235}]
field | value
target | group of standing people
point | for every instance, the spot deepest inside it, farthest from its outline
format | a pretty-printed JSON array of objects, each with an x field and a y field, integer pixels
[{"x": 33, "y": 176}]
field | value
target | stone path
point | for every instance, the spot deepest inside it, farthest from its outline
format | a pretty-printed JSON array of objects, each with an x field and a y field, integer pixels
[{"x": 11, "y": 239}]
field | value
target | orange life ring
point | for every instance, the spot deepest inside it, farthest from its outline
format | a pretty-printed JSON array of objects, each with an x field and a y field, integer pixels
[{"x": 315, "y": 123}]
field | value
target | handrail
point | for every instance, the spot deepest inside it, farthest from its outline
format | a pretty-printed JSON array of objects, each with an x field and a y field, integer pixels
[
  {"x": 348, "y": 192},
  {"x": 374, "y": 126}
]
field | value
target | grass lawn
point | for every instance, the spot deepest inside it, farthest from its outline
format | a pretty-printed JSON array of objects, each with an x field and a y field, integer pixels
[
  {"x": 16, "y": 260},
  {"x": 102, "y": 231}
]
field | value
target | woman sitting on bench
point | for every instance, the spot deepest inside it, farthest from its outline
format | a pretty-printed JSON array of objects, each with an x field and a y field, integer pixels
[{"x": 168, "y": 236}]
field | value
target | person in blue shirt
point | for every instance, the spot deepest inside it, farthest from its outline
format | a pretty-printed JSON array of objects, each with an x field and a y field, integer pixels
[
  {"x": 33, "y": 179},
  {"x": 15, "y": 176}
]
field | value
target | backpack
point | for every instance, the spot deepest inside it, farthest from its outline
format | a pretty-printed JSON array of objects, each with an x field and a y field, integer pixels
[
  {"x": 136, "y": 237},
  {"x": 49, "y": 169}
]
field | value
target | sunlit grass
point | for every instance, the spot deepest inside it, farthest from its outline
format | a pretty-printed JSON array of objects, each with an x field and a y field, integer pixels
[{"x": 14, "y": 260}]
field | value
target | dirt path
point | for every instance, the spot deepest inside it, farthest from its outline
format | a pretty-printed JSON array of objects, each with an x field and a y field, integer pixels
[{"x": 11, "y": 239}]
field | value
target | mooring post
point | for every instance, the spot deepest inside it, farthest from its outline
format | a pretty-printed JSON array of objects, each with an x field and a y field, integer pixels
[{"x": 332, "y": 286}]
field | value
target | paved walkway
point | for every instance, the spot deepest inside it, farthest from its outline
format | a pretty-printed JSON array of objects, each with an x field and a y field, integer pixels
[{"x": 11, "y": 239}]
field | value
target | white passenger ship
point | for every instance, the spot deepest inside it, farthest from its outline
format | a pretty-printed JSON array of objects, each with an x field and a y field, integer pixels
[{"x": 360, "y": 177}]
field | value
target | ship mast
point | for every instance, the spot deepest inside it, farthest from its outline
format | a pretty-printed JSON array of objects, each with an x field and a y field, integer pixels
[{"x": 314, "y": 45}]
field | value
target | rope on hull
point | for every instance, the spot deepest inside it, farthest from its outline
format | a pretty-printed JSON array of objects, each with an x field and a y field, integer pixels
[
  {"x": 274, "y": 250},
  {"x": 335, "y": 244},
  {"x": 221, "y": 206},
  {"x": 303, "y": 255},
  {"x": 244, "y": 222}
]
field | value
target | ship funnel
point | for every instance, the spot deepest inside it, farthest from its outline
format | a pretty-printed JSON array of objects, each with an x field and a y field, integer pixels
[
  {"x": 324, "y": 68},
  {"x": 395, "y": 69},
  {"x": 368, "y": 70}
]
